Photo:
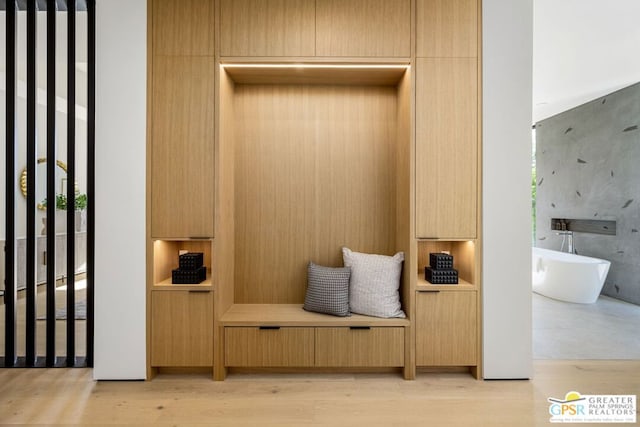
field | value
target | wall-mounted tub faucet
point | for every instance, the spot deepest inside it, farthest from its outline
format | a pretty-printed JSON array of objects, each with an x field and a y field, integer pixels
[{"x": 568, "y": 237}]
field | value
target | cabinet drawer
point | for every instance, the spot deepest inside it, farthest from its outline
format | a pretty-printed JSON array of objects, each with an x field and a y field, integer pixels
[
  {"x": 366, "y": 347},
  {"x": 269, "y": 346}
]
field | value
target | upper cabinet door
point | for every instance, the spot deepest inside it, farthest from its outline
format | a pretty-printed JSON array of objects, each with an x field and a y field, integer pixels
[
  {"x": 363, "y": 28},
  {"x": 267, "y": 28},
  {"x": 447, "y": 28},
  {"x": 184, "y": 27},
  {"x": 446, "y": 148},
  {"x": 182, "y": 147}
]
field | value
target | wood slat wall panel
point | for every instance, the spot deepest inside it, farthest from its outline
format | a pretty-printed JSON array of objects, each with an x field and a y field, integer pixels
[
  {"x": 315, "y": 170},
  {"x": 274, "y": 193}
]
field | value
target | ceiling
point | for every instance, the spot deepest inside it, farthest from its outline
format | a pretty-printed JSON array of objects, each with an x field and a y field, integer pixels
[{"x": 582, "y": 49}]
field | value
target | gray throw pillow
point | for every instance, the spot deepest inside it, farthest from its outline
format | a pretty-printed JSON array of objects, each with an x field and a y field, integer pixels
[
  {"x": 374, "y": 284},
  {"x": 327, "y": 290}
]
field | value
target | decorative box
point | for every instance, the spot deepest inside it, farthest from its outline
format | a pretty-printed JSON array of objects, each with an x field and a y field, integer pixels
[
  {"x": 441, "y": 261},
  {"x": 189, "y": 277},
  {"x": 190, "y": 261},
  {"x": 441, "y": 277}
]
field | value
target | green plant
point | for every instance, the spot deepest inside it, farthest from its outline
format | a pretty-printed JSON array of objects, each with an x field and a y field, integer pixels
[
  {"x": 61, "y": 202},
  {"x": 81, "y": 202}
]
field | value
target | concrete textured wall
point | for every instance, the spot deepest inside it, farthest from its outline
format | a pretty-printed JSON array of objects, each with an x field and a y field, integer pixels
[{"x": 588, "y": 167}]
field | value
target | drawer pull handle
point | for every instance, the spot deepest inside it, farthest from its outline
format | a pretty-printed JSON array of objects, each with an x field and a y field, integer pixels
[
  {"x": 198, "y": 238},
  {"x": 360, "y": 328},
  {"x": 429, "y": 291},
  {"x": 199, "y": 291},
  {"x": 263, "y": 328}
]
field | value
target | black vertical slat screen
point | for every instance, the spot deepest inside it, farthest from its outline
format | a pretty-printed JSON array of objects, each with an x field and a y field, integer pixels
[
  {"x": 10, "y": 294},
  {"x": 42, "y": 5},
  {"x": 71, "y": 178},
  {"x": 52, "y": 8},
  {"x": 30, "y": 333},
  {"x": 51, "y": 184},
  {"x": 91, "y": 180}
]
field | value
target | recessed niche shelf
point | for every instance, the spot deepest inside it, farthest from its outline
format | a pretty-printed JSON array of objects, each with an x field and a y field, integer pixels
[
  {"x": 166, "y": 256},
  {"x": 422, "y": 285},
  {"x": 464, "y": 260},
  {"x": 317, "y": 157}
]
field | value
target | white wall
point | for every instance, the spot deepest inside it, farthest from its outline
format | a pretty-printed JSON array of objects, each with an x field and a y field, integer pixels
[
  {"x": 507, "y": 69},
  {"x": 120, "y": 340},
  {"x": 582, "y": 51}
]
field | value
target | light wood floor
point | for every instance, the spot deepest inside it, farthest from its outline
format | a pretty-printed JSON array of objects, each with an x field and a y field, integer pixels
[{"x": 71, "y": 397}]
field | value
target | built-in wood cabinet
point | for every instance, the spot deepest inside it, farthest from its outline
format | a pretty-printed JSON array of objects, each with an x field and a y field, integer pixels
[
  {"x": 285, "y": 335},
  {"x": 447, "y": 317},
  {"x": 182, "y": 147},
  {"x": 182, "y": 328},
  {"x": 282, "y": 130},
  {"x": 307, "y": 28},
  {"x": 292, "y": 346},
  {"x": 267, "y": 28},
  {"x": 446, "y": 328},
  {"x": 363, "y": 28},
  {"x": 183, "y": 27},
  {"x": 447, "y": 28},
  {"x": 446, "y": 148},
  {"x": 181, "y": 178}
]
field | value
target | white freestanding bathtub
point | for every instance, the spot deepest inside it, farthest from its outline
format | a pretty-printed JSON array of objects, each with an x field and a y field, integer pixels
[{"x": 568, "y": 277}]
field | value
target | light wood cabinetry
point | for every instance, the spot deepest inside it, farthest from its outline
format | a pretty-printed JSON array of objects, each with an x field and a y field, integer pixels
[
  {"x": 359, "y": 346},
  {"x": 285, "y": 335},
  {"x": 182, "y": 167},
  {"x": 282, "y": 130},
  {"x": 269, "y": 346},
  {"x": 363, "y": 28},
  {"x": 182, "y": 328},
  {"x": 183, "y": 27},
  {"x": 180, "y": 183},
  {"x": 446, "y": 325},
  {"x": 267, "y": 28},
  {"x": 446, "y": 148},
  {"x": 327, "y": 28},
  {"x": 447, "y": 28},
  {"x": 166, "y": 253},
  {"x": 447, "y": 317},
  {"x": 447, "y": 176},
  {"x": 464, "y": 258}
]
